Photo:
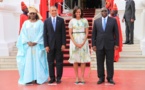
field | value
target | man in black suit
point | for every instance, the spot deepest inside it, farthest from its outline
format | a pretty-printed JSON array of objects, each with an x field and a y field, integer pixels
[
  {"x": 129, "y": 18},
  {"x": 105, "y": 38},
  {"x": 75, "y": 3},
  {"x": 54, "y": 41}
]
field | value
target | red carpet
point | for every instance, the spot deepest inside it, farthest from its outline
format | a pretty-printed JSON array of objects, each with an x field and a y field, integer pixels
[{"x": 125, "y": 80}]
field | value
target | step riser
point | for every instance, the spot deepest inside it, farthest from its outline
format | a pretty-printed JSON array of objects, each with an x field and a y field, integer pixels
[
  {"x": 125, "y": 62},
  {"x": 90, "y": 29},
  {"x": 66, "y": 22},
  {"x": 131, "y": 53}
]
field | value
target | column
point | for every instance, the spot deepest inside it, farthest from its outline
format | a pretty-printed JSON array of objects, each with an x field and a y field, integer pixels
[
  {"x": 8, "y": 28},
  {"x": 143, "y": 28},
  {"x": 103, "y": 3}
]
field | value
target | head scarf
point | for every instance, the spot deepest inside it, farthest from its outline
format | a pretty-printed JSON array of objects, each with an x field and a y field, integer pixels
[
  {"x": 115, "y": 7},
  {"x": 23, "y": 6},
  {"x": 32, "y": 9}
]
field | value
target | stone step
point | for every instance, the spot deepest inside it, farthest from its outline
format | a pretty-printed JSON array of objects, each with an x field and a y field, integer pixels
[
  {"x": 132, "y": 45},
  {"x": 131, "y": 53},
  {"x": 124, "y": 68},
  {"x": 8, "y": 67},
  {"x": 8, "y": 63},
  {"x": 8, "y": 59},
  {"x": 126, "y": 53},
  {"x": 132, "y": 57},
  {"x": 140, "y": 65},
  {"x": 135, "y": 58},
  {"x": 127, "y": 48}
]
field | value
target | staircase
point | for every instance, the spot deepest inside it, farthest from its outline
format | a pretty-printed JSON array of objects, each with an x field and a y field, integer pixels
[
  {"x": 9, "y": 62},
  {"x": 131, "y": 56}
]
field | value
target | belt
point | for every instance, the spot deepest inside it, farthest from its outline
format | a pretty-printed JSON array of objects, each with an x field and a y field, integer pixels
[{"x": 78, "y": 32}]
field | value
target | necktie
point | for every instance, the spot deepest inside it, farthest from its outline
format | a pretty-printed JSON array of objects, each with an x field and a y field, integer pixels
[
  {"x": 54, "y": 23},
  {"x": 104, "y": 24}
]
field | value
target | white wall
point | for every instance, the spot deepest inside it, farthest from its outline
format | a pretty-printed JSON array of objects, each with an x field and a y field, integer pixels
[
  {"x": 138, "y": 31},
  {"x": 10, "y": 11}
]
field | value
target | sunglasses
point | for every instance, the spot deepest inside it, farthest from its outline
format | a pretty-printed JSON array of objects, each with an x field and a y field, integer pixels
[
  {"x": 104, "y": 11},
  {"x": 32, "y": 13}
]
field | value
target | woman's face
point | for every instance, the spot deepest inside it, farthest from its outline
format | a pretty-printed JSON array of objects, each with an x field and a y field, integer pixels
[
  {"x": 32, "y": 15},
  {"x": 78, "y": 13}
]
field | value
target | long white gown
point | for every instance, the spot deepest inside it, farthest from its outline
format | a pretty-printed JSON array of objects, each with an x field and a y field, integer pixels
[{"x": 32, "y": 61}]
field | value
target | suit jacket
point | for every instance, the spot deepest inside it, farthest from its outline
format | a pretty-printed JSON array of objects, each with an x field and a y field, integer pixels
[
  {"x": 57, "y": 38},
  {"x": 129, "y": 10},
  {"x": 108, "y": 38}
]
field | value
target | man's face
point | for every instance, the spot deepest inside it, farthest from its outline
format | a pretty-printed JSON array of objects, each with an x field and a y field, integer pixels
[
  {"x": 104, "y": 12},
  {"x": 112, "y": 12},
  {"x": 53, "y": 11},
  {"x": 26, "y": 10}
]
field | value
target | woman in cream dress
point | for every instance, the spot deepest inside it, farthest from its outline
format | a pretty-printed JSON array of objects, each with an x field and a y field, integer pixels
[{"x": 79, "y": 46}]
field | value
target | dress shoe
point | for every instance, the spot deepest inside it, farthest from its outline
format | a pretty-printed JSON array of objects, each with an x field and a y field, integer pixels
[
  {"x": 82, "y": 82},
  {"x": 29, "y": 83},
  {"x": 100, "y": 81},
  {"x": 125, "y": 42},
  {"x": 77, "y": 82},
  {"x": 58, "y": 81},
  {"x": 130, "y": 43},
  {"x": 111, "y": 81},
  {"x": 51, "y": 81}
]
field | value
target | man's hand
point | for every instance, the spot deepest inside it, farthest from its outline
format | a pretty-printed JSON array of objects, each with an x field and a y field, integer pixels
[
  {"x": 132, "y": 20},
  {"x": 47, "y": 49},
  {"x": 123, "y": 20},
  {"x": 94, "y": 48},
  {"x": 62, "y": 47},
  {"x": 116, "y": 47}
]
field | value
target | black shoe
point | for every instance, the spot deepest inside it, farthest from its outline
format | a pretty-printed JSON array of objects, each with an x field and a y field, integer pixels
[
  {"x": 125, "y": 42},
  {"x": 111, "y": 81},
  {"x": 100, "y": 81},
  {"x": 51, "y": 81},
  {"x": 29, "y": 83},
  {"x": 58, "y": 81},
  {"x": 130, "y": 43}
]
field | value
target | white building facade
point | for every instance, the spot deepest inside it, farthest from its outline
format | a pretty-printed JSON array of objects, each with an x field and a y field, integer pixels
[{"x": 10, "y": 11}]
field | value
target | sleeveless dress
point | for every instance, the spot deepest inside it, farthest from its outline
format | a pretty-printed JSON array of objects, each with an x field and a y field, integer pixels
[{"x": 79, "y": 55}]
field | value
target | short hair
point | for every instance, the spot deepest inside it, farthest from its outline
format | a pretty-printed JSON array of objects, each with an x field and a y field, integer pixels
[
  {"x": 103, "y": 8},
  {"x": 53, "y": 7},
  {"x": 75, "y": 10}
]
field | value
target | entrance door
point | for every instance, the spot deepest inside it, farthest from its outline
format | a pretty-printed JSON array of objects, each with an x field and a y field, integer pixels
[{"x": 93, "y": 3}]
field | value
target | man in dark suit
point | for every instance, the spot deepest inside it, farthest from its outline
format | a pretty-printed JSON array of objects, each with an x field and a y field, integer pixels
[
  {"x": 75, "y": 3},
  {"x": 129, "y": 18},
  {"x": 105, "y": 38},
  {"x": 54, "y": 41}
]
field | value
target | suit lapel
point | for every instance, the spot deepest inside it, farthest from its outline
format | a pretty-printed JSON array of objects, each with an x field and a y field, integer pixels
[
  {"x": 101, "y": 24},
  {"x": 57, "y": 22},
  {"x": 50, "y": 20},
  {"x": 127, "y": 4}
]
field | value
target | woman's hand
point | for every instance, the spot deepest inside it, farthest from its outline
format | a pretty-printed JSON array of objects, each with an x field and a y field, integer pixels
[
  {"x": 30, "y": 44},
  {"x": 34, "y": 43},
  {"x": 79, "y": 45}
]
